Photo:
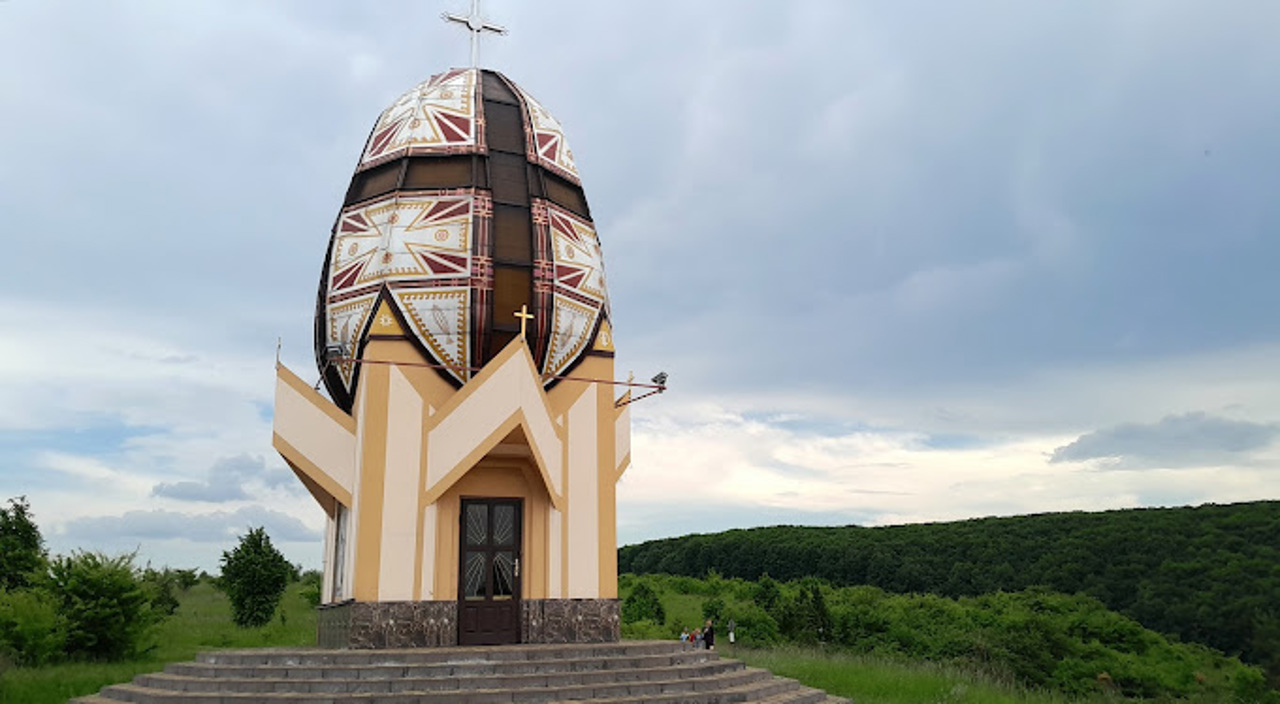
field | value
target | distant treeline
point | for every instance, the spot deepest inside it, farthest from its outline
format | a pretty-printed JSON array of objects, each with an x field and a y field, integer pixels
[{"x": 1208, "y": 574}]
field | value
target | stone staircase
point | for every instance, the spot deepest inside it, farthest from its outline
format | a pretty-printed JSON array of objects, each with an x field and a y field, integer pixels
[{"x": 622, "y": 673}]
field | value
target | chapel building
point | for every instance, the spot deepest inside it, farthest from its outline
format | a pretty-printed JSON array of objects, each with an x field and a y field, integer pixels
[{"x": 468, "y": 449}]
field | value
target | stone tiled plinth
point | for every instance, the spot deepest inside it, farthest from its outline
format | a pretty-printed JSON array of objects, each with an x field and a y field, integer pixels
[
  {"x": 428, "y": 624},
  {"x": 570, "y": 621},
  {"x": 388, "y": 624}
]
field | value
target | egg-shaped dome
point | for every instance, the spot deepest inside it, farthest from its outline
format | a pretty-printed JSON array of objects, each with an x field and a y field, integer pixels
[{"x": 465, "y": 207}]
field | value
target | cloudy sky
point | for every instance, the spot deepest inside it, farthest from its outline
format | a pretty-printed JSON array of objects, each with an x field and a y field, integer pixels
[{"x": 903, "y": 261}]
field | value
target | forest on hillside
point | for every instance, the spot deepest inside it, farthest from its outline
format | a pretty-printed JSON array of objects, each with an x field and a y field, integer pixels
[
  {"x": 1208, "y": 574},
  {"x": 1036, "y": 639}
]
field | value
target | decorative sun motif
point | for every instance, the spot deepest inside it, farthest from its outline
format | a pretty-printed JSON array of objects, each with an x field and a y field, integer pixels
[
  {"x": 437, "y": 115},
  {"x": 419, "y": 248}
]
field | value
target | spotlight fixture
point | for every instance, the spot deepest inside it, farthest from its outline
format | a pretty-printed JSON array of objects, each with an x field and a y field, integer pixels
[{"x": 660, "y": 378}]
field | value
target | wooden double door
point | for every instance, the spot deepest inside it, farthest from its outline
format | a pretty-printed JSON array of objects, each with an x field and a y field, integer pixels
[{"x": 489, "y": 571}]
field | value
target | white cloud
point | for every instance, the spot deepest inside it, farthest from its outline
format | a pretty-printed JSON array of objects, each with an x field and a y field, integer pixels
[{"x": 216, "y": 527}]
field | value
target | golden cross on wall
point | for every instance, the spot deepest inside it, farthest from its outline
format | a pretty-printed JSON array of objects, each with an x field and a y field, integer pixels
[{"x": 525, "y": 316}]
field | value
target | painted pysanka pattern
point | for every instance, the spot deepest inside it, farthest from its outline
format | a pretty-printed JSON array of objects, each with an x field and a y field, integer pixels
[
  {"x": 579, "y": 293},
  {"x": 429, "y": 251},
  {"x": 547, "y": 143},
  {"x": 437, "y": 115},
  {"x": 419, "y": 247}
]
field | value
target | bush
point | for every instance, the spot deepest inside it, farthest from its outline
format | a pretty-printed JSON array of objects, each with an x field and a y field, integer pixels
[
  {"x": 32, "y": 632},
  {"x": 753, "y": 626},
  {"x": 767, "y": 593},
  {"x": 22, "y": 554},
  {"x": 713, "y": 609},
  {"x": 311, "y": 580},
  {"x": 254, "y": 577},
  {"x": 105, "y": 604},
  {"x": 160, "y": 586},
  {"x": 643, "y": 603},
  {"x": 806, "y": 619},
  {"x": 183, "y": 579}
]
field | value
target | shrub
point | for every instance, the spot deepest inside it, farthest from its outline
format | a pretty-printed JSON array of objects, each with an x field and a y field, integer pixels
[
  {"x": 311, "y": 580},
  {"x": 713, "y": 609},
  {"x": 753, "y": 626},
  {"x": 643, "y": 603},
  {"x": 184, "y": 579},
  {"x": 254, "y": 577},
  {"x": 806, "y": 618},
  {"x": 160, "y": 586},
  {"x": 32, "y": 632},
  {"x": 105, "y": 604},
  {"x": 767, "y": 593}
]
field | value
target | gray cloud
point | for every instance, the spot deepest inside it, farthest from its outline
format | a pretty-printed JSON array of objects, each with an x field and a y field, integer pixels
[
  {"x": 977, "y": 202},
  {"x": 200, "y": 491},
  {"x": 216, "y": 527},
  {"x": 869, "y": 211},
  {"x": 1188, "y": 440},
  {"x": 227, "y": 479}
]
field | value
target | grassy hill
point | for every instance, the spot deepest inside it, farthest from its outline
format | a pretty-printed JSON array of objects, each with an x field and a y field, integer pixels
[
  {"x": 870, "y": 645},
  {"x": 1208, "y": 574}
]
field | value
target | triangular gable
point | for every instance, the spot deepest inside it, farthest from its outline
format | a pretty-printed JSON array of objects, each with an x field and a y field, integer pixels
[
  {"x": 316, "y": 439},
  {"x": 505, "y": 395}
]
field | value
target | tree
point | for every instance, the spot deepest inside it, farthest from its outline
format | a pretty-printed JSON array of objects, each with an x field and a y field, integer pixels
[
  {"x": 806, "y": 618},
  {"x": 254, "y": 577},
  {"x": 767, "y": 593},
  {"x": 643, "y": 603},
  {"x": 22, "y": 553}
]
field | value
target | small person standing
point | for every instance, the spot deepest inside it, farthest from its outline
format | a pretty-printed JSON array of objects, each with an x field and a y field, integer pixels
[
  {"x": 697, "y": 639},
  {"x": 709, "y": 635},
  {"x": 684, "y": 638}
]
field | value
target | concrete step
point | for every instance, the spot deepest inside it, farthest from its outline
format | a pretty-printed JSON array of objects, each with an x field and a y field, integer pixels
[
  {"x": 460, "y": 668},
  {"x": 413, "y": 656},
  {"x": 765, "y": 689},
  {"x": 387, "y": 682},
  {"x": 804, "y": 695},
  {"x": 691, "y": 689},
  {"x": 622, "y": 673}
]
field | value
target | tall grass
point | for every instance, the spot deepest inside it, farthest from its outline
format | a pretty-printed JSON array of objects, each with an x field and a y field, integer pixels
[
  {"x": 871, "y": 680},
  {"x": 202, "y": 622}
]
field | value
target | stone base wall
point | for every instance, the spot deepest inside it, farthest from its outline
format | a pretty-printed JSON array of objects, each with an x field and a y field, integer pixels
[
  {"x": 570, "y": 621},
  {"x": 431, "y": 624},
  {"x": 388, "y": 624}
]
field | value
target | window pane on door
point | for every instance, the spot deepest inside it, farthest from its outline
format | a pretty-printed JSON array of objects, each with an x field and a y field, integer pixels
[
  {"x": 477, "y": 524},
  {"x": 504, "y": 574},
  {"x": 504, "y": 524},
  {"x": 474, "y": 576}
]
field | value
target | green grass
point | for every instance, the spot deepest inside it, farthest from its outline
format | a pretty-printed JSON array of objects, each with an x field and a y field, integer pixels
[
  {"x": 869, "y": 680},
  {"x": 202, "y": 622}
]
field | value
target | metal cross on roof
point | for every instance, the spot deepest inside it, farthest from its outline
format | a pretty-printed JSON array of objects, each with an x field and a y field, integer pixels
[
  {"x": 525, "y": 316},
  {"x": 476, "y": 25}
]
